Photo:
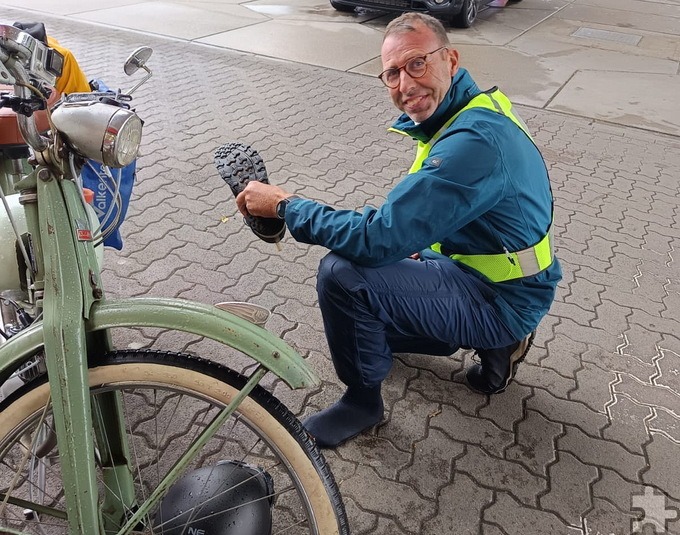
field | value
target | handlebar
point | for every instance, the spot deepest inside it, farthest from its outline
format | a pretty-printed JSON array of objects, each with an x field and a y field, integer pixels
[
  {"x": 98, "y": 126},
  {"x": 24, "y": 59}
]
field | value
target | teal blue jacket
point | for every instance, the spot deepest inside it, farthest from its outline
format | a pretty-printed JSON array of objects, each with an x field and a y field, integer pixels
[{"x": 483, "y": 187}]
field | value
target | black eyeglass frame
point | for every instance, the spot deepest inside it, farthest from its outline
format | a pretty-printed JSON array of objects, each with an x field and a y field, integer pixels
[{"x": 404, "y": 67}]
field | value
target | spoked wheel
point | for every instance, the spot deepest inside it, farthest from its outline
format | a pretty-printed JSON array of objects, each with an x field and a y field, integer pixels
[
  {"x": 260, "y": 452},
  {"x": 467, "y": 15}
]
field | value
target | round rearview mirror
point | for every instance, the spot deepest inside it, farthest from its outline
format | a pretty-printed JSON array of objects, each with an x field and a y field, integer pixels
[{"x": 137, "y": 60}]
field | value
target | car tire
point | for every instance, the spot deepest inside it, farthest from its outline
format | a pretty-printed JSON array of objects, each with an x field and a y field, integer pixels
[
  {"x": 342, "y": 7},
  {"x": 467, "y": 15}
]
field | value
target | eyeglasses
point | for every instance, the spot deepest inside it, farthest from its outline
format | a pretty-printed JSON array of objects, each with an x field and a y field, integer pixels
[{"x": 415, "y": 68}]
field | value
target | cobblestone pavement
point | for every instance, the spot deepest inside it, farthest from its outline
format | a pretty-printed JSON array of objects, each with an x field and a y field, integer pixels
[{"x": 588, "y": 436}]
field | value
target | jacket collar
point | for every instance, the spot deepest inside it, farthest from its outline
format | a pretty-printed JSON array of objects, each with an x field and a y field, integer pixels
[{"x": 462, "y": 90}]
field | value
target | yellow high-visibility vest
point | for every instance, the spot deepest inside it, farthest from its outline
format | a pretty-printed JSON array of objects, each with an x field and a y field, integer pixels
[{"x": 506, "y": 265}]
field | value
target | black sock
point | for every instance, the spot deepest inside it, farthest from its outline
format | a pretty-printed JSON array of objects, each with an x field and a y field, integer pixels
[{"x": 357, "y": 410}]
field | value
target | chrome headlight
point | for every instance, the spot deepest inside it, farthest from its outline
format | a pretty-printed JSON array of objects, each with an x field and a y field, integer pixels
[{"x": 102, "y": 132}]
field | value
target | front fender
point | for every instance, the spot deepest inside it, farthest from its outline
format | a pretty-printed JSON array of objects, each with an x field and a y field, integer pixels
[{"x": 179, "y": 315}]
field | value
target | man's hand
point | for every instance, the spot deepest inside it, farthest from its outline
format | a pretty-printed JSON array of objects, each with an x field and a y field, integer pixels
[{"x": 260, "y": 199}]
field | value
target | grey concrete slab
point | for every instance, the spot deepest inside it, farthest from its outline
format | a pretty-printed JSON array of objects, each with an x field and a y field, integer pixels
[
  {"x": 639, "y": 15},
  {"x": 65, "y": 7},
  {"x": 306, "y": 10},
  {"x": 326, "y": 44},
  {"x": 554, "y": 40},
  {"x": 527, "y": 79},
  {"x": 173, "y": 19},
  {"x": 626, "y": 104},
  {"x": 208, "y": 5}
]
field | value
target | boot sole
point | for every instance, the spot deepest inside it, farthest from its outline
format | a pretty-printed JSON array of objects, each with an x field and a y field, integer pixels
[{"x": 238, "y": 164}]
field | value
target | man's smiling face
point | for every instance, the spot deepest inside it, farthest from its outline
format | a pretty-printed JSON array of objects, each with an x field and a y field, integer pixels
[{"x": 419, "y": 97}]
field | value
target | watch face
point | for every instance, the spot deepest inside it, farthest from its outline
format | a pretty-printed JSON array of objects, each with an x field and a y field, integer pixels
[{"x": 281, "y": 209}]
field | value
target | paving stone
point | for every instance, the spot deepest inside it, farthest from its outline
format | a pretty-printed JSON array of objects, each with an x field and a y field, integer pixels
[
  {"x": 593, "y": 387},
  {"x": 507, "y": 410},
  {"x": 563, "y": 355},
  {"x": 598, "y": 452},
  {"x": 647, "y": 394},
  {"x": 665, "y": 423},
  {"x": 443, "y": 367},
  {"x": 568, "y": 412},
  {"x": 378, "y": 495},
  {"x": 605, "y": 518},
  {"x": 546, "y": 378},
  {"x": 535, "y": 443},
  {"x": 388, "y": 526},
  {"x": 460, "y": 507},
  {"x": 342, "y": 469},
  {"x": 493, "y": 472},
  {"x": 587, "y": 335},
  {"x": 490, "y": 529},
  {"x": 431, "y": 467},
  {"x": 641, "y": 342},
  {"x": 567, "y": 310},
  {"x": 663, "y": 454},
  {"x": 616, "y": 490},
  {"x": 620, "y": 362},
  {"x": 517, "y": 519},
  {"x": 624, "y": 415},
  {"x": 669, "y": 371},
  {"x": 611, "y": 317},
  {"x": 380, "y": 454},
  {"x": 447, "y": 392},
  {"x": 362, "y": 522},
  {"x": 471, "y": 430},
  {"x": 628, "y": 300},
  {"x": 569, "y": 493},
  {"x": 397, "y": 384},
  {"x": 409, "y": 420}
]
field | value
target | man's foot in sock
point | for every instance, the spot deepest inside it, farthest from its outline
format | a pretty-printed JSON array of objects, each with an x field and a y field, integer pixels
[{"x": 344, "y": 420}]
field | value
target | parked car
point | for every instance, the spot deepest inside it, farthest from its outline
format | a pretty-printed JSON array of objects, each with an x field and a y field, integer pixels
[{"x": 460, "y": 13}]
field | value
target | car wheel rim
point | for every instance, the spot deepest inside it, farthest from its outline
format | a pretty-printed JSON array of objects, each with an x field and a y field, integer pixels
[{"x": 472, "y": 11}]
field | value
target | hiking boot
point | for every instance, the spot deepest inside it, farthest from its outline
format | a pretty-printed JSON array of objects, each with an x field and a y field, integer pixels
[
  {"x": 498, "y": 366},
  {"x": 237, "y": 165}
]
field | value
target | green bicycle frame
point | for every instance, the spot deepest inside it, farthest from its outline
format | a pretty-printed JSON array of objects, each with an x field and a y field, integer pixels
[{"x": 75, "y": 323}]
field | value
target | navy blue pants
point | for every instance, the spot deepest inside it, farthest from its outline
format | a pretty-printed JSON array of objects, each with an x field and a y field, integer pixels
[{"x": 430, "y": 307}]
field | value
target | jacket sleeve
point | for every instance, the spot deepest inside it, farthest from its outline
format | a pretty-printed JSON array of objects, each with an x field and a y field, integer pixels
[{"x": 459, "y": 181}]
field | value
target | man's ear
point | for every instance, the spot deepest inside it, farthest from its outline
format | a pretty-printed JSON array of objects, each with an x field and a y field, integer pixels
[{"x": 453, "y": 60}]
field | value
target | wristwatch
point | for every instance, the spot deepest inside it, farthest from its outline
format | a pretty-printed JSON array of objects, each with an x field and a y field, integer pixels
[{"x": 281, "y": 206}]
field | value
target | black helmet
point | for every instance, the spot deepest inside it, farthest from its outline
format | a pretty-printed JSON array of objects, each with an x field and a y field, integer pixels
[{"x": 231, "y": 498}]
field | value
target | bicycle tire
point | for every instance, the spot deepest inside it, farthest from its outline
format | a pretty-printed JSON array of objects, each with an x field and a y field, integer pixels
[{"x": 170, "y": 378}]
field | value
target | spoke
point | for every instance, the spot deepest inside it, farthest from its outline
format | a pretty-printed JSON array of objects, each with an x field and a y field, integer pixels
[
  {"x": 287, "y": 530},
  {"x": 223, "y": 511},
  {"x": 155, "y": 449},
  {"x": 23, "y": 462}
]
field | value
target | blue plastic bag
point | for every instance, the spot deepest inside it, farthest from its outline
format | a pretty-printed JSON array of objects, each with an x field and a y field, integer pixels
[
  {"x": 95, "y": 177},
  {"x": 104, "y": 182}
]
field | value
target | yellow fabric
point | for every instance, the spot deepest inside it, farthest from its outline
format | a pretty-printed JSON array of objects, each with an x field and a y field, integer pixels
[
  {"x": 72, "y": 79},
  {"x": 483, "y": 100},
  {"x": 504, "y": 266},
  {"x": 507, "y": 265}
]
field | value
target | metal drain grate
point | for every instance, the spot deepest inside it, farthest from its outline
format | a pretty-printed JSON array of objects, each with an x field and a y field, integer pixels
[{"x": 606, "y": 35}]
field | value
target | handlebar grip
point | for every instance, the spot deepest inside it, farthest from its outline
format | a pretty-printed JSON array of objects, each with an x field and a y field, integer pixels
[{"x": 238, "y": 164}]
